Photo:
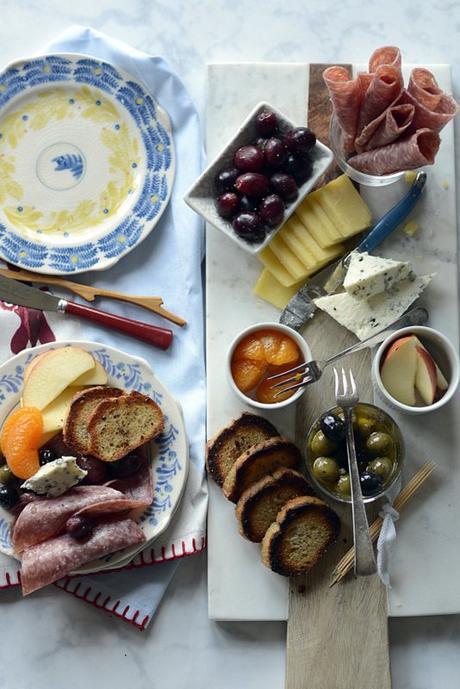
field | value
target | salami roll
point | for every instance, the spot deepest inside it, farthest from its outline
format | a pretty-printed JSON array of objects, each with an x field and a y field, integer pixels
[
  {"x": 397, "y": 119},
  {"x": 364, "y": 80},
  {"x": 138, "y": 487},
  {"x": 387, "y": 55},
  {"x": 446, "y": 109},
  {"x": 345, "y": 94},
  {"x": 424, "y": 87},
  {"x": 406, "y": 154},
  {"x": 386, "y": 85},
  {"x": 45, "y": 518},
  {"x": 47, "y": 562}
]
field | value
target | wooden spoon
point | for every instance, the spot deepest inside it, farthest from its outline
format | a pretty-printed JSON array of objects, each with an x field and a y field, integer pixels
[{"x": 90, "y": 293}]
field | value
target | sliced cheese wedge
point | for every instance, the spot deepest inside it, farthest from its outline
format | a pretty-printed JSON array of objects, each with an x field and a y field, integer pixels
[
  {"x": 54, "y": 414},
  {"x": 368, "y": 275},
  {"x": 345, "y": 208},
  {"x": 270, "y": 261},
  {"x": 364, "y": 317},
  {"x": 267, "y": 287},
  {"x": 315, "y": 220}
]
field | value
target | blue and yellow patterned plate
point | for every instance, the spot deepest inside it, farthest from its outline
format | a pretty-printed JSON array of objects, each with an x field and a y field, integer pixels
[
  {"x": 169, "y": 452},
  {"x": 86, "y": 163}
]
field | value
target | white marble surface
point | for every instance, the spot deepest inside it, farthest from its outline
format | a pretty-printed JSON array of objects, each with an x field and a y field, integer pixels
[{"x": 53, "y": 641}]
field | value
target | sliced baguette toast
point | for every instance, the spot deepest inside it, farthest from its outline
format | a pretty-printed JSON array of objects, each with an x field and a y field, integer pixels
[
  {"x": 304, "y": 528},
  {"x": 119, "y": 425},
  {"x": 259, "y": 504},
  {"x": 225, "y": 448},
  {"x": 257, "y": 462},
  {"x": 75, "y": 431}
]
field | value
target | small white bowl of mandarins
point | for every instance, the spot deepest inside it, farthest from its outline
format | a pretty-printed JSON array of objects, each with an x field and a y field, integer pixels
[{"x": 259, "y": 352}]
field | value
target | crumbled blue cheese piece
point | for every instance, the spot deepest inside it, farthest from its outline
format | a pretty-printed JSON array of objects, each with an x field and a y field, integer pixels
[
  {"x": 368, "y": 275},
  {"x": 364, "y": 317},
  {"x": 54, "y": 478}
]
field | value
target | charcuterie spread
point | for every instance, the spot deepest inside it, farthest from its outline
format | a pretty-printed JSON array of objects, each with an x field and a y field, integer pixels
[
  {"x": 76, "y": 470},
  {"x": 383, "y": 126}
]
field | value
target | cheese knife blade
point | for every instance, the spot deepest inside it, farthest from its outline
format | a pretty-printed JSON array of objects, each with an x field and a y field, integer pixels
[{"x": 301, "y": 307}]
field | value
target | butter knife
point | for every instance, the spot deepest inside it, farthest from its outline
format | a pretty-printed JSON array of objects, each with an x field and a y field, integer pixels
[
  {"x": 16, "y": 293},
  {"x": 301, "y": 307}
]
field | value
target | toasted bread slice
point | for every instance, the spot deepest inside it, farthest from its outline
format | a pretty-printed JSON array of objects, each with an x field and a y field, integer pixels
[
  {"x": 119, "y": 425},
  {"x": 258, "y": 461},
  {"x": 225, "y": 448},
  {"x": 304, "y": 529},
  {"x": 75, "y": 431},
  {"x": 259, "y": 504}
]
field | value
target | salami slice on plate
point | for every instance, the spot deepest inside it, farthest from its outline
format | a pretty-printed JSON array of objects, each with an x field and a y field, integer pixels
[
  {"x": 45, "y": 518},
  {"x": 446, "y": 110},
  {"x": 405, "y": 154},
  {"x": 345, "y": 94},
  {"x": 47, "y": 562}
]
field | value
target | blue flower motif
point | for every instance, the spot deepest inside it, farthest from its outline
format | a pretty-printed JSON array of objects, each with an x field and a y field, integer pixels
[
  {"x": 70, "y": 161},
  {"x": 71, "y": 259},
  {"x": 97, "y": 73}
]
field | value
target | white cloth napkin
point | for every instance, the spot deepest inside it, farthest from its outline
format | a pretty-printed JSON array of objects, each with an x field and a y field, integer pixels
[
  {"x": 167, "y": 263},
  {"x": 385, "y": 542}
]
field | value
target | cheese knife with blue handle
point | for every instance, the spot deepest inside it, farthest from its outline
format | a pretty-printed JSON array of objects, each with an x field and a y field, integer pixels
[{"x": 301, "y": 307}]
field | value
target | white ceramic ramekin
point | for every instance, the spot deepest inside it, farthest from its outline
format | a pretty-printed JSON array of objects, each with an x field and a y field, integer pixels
[
  {"x": 443, "y": 352},
  {"x": 266, "y": 325}
]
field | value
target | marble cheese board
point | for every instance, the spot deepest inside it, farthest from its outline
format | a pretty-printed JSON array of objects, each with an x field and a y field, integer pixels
[{"x": 427, "y": 552}]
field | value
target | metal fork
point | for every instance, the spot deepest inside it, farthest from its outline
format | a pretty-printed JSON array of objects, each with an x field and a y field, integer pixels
[
  {"x": 311, "y": 371},
  {"x": 347, "y": 397}
]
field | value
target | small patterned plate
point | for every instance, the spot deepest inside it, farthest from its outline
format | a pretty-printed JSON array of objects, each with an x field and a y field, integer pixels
[
  {"x": 169, "y": 453},
  {"x": 86, "y": 163}
]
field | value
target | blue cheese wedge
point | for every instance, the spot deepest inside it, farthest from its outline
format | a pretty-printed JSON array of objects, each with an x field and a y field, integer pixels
[
  {"x": 55, "y": 478},
  {"x": 364, "y": 317},
  {"x": 368, "y": 275}
]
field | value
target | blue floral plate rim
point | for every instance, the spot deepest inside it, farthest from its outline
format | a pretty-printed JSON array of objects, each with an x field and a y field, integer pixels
[{"x": 39, "y": 257}]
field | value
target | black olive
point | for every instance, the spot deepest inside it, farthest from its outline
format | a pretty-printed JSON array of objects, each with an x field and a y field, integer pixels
[
  {"x": 9, "y": 496},
  {"x": 333, "y": 427},
  {"x": 46, "y": 455},
  {"x": 127, "y": 466},
  {"x": 370, "y": 483}
]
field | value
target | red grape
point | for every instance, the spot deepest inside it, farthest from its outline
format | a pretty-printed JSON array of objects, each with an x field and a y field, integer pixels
[
  {"x": 266, "y": 123},
  {"x": 284, "y": 185},
  {"x": 274, "y": 152},
  {"x": 271, "y": 210},
  {"x": 248, "y": 205},
  {"x": 252, "y": 184},
  {"x": 249, "y": 159},
  {"x": 97, "y": 470},
  {"x": 249, "y": 226},
  {"x": 79, "y": 528},
  {"x": 225, "y": 180},
  {"x": 227, "y": 205},
  {"x": 300, "y": 140}
]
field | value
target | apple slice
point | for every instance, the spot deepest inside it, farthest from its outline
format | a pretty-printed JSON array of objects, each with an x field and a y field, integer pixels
[
  {"x": 399, "y": 369},
  {"x": 53, "y": 415},
  {"x": 97, "y": 376},
  {"x": 425, "y": 376},
  {"x": 53, "y": 373},
  {"x": 441, "y": 382}
]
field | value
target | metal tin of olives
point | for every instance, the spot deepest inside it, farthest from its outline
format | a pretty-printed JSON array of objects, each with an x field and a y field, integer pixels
[{"x": 379, "y": 448}]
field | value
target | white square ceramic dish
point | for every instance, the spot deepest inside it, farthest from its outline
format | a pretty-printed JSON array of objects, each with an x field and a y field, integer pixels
[{"x": 201, "y": 196}]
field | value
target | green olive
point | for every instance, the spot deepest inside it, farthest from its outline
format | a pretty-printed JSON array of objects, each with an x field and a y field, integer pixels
[
  {"x": 343, "y": 485},
  {"x": 326, "y": 469},
  {"x": 364, "y": 425},
  {"x": 379, "y": 442},
  {"x": 5, "y": 474},
  {"x": 382, "y": 466},
  {"x": 320, "y": 445}
]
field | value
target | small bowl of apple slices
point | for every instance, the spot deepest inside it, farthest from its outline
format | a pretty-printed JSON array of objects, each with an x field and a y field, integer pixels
[{"x": 416, "y": 369}]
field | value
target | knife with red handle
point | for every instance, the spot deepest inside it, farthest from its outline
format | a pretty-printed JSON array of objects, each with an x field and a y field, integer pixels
[{"x": 16, "y": 293}]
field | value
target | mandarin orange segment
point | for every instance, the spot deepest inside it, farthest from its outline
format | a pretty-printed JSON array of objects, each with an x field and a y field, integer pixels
[
  {"x": 250, "y": 347},
  {"x": 266, "y": 394},
  {"x": 247, "y": 374},
  {"x": 279, "y": 349},
  {"x": 19, "y": 441}
]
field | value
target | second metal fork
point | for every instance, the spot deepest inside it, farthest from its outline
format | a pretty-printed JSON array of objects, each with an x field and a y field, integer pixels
[{"x": 346, "y": 396}]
